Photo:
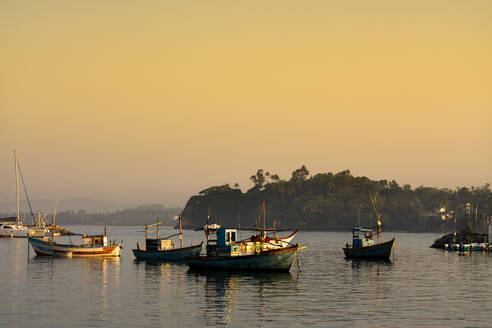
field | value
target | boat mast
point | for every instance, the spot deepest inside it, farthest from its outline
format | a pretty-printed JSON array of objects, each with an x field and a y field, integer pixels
[
  {"x": 378, "y": 217},
  {"x": 180, "y": 233},
  {"x": 208, "y": 224},
  {"x": 53, "y": 222},
  {"x": 264, "y": 216},
  {"x": 157, "y": 223},
  {"x": 17, "y": 186}
]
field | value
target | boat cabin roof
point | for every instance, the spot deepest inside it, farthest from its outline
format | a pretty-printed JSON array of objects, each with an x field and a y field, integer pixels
[
  {"x": 361, "y": 229},
  {"x": 93, "y": 236}
]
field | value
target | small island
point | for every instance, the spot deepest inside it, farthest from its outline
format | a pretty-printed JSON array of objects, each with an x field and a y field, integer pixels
[{"x": 336, "y": 201}]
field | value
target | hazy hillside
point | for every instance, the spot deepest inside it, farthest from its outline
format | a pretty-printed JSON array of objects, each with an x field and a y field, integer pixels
[
  {"x": 70, "y": 213},
  {"x": 73, "y": 204}
]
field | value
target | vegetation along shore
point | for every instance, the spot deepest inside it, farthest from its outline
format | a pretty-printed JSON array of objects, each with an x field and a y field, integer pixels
[{"x": 336, "y": 201}]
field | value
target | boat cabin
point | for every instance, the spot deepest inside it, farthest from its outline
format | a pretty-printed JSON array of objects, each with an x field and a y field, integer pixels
[
  {"x": 362, "y": 237},
  {"x": 158, "y": 244},
  {"x": 95, "y": 240},
  {"x": 226, "y": 243}
]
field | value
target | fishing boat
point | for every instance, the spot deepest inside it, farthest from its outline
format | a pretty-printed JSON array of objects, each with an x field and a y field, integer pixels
[
  {"x": 363, "y": 244},
  {"x": 92, "y": 246},
  {"x": 227, "y": 253},
  {"x": 163, "y": 249}
]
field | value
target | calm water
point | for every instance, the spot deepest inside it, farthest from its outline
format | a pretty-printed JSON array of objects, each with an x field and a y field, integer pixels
[{"x": 422, "y": 287}]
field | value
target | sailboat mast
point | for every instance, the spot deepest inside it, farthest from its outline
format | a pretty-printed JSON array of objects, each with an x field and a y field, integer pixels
[{"x": 17, "y": 186}]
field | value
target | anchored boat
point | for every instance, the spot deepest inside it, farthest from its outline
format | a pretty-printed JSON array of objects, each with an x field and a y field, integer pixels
[
  {"x": 163, "y": 249},
  {"x": 227, "y": 253},
  {"x": 12, "y": 227},
  {"x": 363, "y": 244},
  {"x": 364, "y": 247},
  {"x": 92, "y": 246}
]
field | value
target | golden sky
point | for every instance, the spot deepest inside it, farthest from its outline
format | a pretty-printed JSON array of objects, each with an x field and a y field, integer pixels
[{"x": 153, "y": 101}]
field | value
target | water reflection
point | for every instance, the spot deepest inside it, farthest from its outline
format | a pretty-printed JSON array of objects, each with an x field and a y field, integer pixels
[
  {"x": 95, "y": 279},
  {"x": 358, "y": 264},
  {"x": 228, "y": 294},
  {"x": 159, "y": 279}
]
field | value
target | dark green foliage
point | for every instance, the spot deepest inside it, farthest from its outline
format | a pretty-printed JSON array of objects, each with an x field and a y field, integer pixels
[{"x": 330, "y": 201}]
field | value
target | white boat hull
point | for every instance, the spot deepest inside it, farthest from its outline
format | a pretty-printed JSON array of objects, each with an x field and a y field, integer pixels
[{"x": 13, "y": 231}]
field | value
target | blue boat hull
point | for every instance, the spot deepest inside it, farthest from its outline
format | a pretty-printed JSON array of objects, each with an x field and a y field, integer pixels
[
  {"x": 380, "y": 251},
  {"x": 174, "y": 255},
  {"x": 277, "y": 260}
]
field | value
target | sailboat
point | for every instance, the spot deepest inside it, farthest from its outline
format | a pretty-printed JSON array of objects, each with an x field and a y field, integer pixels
[
  {"x": 163, "y": 249},
  {"x": 15, "y": 228},
  {"x": 363, "y": 244}
]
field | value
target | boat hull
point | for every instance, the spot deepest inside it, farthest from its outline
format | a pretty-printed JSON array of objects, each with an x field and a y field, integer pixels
[
  {"x": 47, "y": 248},
  {"x": 276, "y": 260},
  {"x": 380, "y": 251},
  {"x": 174, "y": 255}
]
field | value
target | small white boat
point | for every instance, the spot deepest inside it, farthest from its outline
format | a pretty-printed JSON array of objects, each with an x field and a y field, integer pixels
[
  {"x": 12, "y": 227},
  {"x": 13, "y": 230}
]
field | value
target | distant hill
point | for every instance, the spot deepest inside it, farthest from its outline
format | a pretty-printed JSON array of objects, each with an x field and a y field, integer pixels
[
  {"x": 330, "y": 201},
  {"x": 72, "y": 204},
  {"x": 138, "y": 215}
]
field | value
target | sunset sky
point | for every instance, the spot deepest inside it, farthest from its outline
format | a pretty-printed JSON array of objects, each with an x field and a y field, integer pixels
[{"x": 153, "y": 101}]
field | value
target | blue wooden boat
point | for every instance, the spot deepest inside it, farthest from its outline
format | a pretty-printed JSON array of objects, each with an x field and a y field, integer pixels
[
  {"x": 171, "y": 255},
  {"x": 163, "y": 249},
  {"x": 226, "y": 253},
  {"x": 364, "y": 247}
]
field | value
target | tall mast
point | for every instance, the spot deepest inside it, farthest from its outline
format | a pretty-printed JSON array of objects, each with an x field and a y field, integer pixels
[{"x": 17, "y": 186}]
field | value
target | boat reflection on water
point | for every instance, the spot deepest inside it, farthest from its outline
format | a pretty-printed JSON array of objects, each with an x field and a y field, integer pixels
[
  {"x": 369, "y": 263},
  {"x": 229, "y": 295},
  {"x": 91, "y": 278}
]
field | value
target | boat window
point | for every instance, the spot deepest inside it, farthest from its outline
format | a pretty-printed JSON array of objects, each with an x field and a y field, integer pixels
[
  {"x": 231, "y": 236},
  {"x": 7, "y": 227}
]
